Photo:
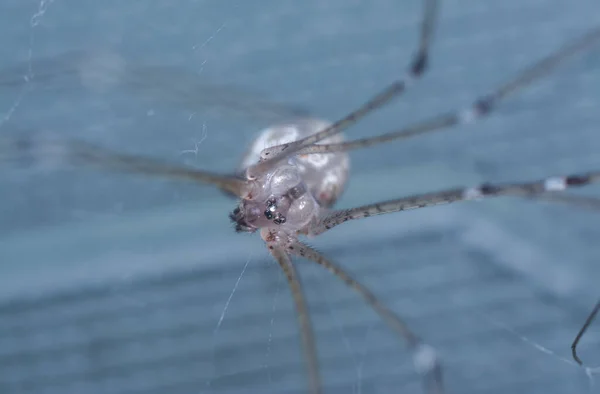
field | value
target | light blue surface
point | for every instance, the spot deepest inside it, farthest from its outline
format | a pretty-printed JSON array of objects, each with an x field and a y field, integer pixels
[{"x": 127, "y": 278}]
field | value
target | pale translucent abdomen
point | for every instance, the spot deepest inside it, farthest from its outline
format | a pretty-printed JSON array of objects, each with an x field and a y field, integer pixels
[{"x": 324, "y": 174}]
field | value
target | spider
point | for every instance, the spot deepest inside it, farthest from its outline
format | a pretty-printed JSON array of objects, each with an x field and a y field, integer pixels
[{"x": 294, "y": 172}]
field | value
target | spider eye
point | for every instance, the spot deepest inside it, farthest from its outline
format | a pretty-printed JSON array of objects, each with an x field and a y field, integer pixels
[
  {"x": 279, "y": 219},
  {"x": 271, "y": 207},
  {"x": 269, "y": 214}
]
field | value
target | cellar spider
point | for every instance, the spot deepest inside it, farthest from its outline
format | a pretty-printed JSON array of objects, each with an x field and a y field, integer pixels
[{"x": 294, "y": 172}]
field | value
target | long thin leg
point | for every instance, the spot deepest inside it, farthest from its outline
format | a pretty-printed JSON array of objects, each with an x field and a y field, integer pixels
[
  {"x": 306, "y": 330},
  {"x": 482, "y": 107},
  {"x": 73, "y": 153},
  {"x": 582, "y": 331},
  {"x": 424, "y": 355},
  {"x": 105, "y": 70},
  {"x": 527, "y": 189},
  {"x": 274, "y": 155}
]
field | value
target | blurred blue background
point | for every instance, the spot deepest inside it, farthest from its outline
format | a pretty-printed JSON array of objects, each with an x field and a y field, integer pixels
[{"x": 120, "y": 284}]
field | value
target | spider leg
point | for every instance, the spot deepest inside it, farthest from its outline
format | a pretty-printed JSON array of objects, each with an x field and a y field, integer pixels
[
  {"x": 424, "y": 356},
  {"x": 53, "y": 152},
  {"x": 306, "y": 331},
  {"x": 582, "y": 331},
  {"x": 482, "y": 107},
  {"x": 102, "y": 70},
  {"x": 274, "y": 155},
  {"x": 527, "y": 189}
]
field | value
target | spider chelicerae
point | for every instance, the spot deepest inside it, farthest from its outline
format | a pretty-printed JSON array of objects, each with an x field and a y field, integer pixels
[{"x": 293, "y": 173}]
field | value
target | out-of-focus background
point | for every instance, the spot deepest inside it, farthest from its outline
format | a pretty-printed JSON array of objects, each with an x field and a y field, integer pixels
[{"x": 111, "y": 283}]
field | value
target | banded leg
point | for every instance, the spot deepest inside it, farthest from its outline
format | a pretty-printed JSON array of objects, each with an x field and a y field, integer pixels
[
  {"x": 274, "y": 155},
  {"x": 73, "y": 153},
  {"x": 582, "y": 331},
  {"x": 306, "y": 330},
  {"x": 526, "y": 189},
  {"x": 424, "y": 356},
  {"x": 482, "y": 107}
]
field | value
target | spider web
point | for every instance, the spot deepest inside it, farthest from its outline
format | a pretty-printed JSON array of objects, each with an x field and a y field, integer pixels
[
  {"x": 121, "y": 285},
  {"x": 28, "y": 76}
]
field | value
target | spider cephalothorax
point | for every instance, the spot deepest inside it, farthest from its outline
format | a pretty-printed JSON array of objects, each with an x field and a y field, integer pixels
[
  {"x": 271, "y": 214},
  {"x": 283, "y": 202}
]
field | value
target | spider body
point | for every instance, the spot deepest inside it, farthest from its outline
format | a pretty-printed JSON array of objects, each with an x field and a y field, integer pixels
[
  {"x": 291, "y": 196},
  {"x": 294, "y": 172}
]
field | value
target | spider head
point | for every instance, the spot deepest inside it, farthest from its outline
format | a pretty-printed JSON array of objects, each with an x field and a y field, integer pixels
[
  {"x": 252, "y": 215},
  {"x": 279, "y": 200}
]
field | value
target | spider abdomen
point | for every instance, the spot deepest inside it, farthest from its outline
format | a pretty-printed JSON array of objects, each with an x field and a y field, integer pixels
[{"x": 324, "y": 174}]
